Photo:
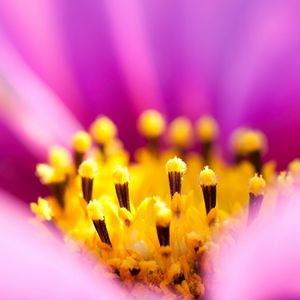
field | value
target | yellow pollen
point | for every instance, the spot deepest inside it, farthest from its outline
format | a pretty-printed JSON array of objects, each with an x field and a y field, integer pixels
[
  {"x": 59, "y": 157},
  {"x": 207, "y": 129},
  {"x": 95, "y": 210},
  {"x": 103, "y": 130},
  {"x": 121, "y": 175},
  {"x": 207, "y": 177},
  {"x": 181, "y": 132},
  {"x": 257, "y": 185},
  {"x": 176, "y": 165},
  {"x": 163, "y": 217},
  {"x": 82, "y": 141},
  {"x": 151, "y": 124},
  {"x": 88, "y": 169}
]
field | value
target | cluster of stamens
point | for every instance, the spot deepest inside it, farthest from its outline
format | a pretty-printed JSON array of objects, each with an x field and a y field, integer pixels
[{"x": 147, "y": 233}]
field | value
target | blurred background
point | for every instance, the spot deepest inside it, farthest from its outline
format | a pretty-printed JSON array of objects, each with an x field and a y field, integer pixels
[{"x": 64, "y": 62}]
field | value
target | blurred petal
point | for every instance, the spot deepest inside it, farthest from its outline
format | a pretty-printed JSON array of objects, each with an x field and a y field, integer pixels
[
  {"x": 37, "y": 266},
  {"x": 35, "y": 32},
  {"x": 31, "y": 109},
  {"x": 264, "y": 264}
]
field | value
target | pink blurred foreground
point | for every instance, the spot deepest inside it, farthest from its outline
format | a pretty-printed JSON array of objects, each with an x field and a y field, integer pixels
[
  {"x": 265, "y": 262},
  {"x": 34, "y": 265}
]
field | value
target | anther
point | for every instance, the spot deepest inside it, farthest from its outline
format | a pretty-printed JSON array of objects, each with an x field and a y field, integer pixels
[
  {"x": 207, "y": 132},
  {"x": 208, "y": 183},
  {"x": 256, "y": 194},
  {"x": 163, "y": 220},
  {"x": 87, "y": 170},
  {"x": 81, "y": 143},
  {"x": 121, "y": 180},
  {"x": 95, "y": 213},
  {"x": 180, "y": 134},
  {"x": 151, "y": 125},
  {"x": 103, "y": 131},
  {"x": 175, "y": 168}
]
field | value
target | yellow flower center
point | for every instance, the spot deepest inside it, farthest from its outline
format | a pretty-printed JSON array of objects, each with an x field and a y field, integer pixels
[{"x": 150, "y": 227}]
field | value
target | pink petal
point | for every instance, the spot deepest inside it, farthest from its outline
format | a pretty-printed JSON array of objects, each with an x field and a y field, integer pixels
[
  {"x": 34, "y": 265},
  {"x": 264, "y": 264}
]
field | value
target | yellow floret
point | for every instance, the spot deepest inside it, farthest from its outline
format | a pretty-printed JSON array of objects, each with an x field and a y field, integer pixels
[
  {"x": 95, "y": 210},
  {"x": 163, "y": 217},
  {"x": 181, "y": 132},
  {"x": 252, "y": 140},
  {"x": 257, "y": 185},
  {"x": 125, "y": 215},
  {"x": 82, "y": 141},
  {"x": 45, "y": 173},
  {"x": 174, "y": 270},
  {"x": 207, "y": 129},
  {"x": 207, "y": 177},
  {"x": 42, "y": 209},
  {"x": 294, "y": 167},
  {"x": 236, "y": 140},
  {"x": 59, "y": 157},
  {"x": 151, "y": 124},
  {"x": 88, "y": 169},
  {"x": 285, "y": 180},
  {"x": 120, "y": 175},
  {"x": 176, "y": 165},
  {"x": 103, "y": 130},
  {"x": 48, "y": 174}
]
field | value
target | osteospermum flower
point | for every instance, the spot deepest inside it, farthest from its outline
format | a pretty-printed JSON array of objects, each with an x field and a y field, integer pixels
[
  {"x": 153, "y": 221},
  {"x": 165, "y": 208}
]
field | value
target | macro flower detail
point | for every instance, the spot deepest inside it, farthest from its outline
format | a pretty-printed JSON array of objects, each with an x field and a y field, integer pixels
[{"x": 154, "y": 220}]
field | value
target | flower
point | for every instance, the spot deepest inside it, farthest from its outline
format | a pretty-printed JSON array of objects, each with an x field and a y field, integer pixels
[
  {"x": 151, "y": 221},
  {"x": 232, "y": 72}
]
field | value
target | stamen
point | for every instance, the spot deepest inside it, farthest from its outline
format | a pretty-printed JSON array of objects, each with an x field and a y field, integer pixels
[
  {"x": 81, "y": 143},
  {"x": 103, "y": 131},
  {"x": 181, "y": 134},
  {"x": 207, "y": 132},
  {"x": 87, "y": 170},
  {"x": 256, "y": 194},
  {"x": 58, "y": 190},
  {"x": 175, "y": 168},
  {"x": 55, "y": 180},
  {"x": 208, "y": 183},
  {"x": 95, "y": 212},
  {"x": 249, "y": 145},
  {"x": 163, "y": 221},
  {"x": 151, "y": 125},
  {"x": 121, "y": 179}
]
